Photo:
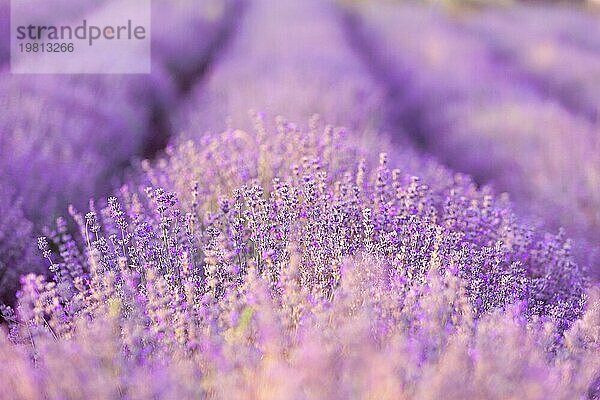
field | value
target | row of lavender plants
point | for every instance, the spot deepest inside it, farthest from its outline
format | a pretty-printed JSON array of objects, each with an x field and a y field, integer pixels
[
  {"x": 293, "y": 261},
  {"x": 559, "y": 65},
  {"x": 560, "y": 21},
  {"x": 67, "y": 138},
  {"x": 339, "y": 279},
  {"x": 452, "y": 94},
  {"x": 282, "y": 68}
]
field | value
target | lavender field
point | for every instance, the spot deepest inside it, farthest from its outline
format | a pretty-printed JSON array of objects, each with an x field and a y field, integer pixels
[{"x": 308, "y": 199}]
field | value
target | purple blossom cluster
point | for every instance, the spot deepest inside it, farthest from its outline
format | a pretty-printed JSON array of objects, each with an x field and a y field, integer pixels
[
  {"x": 452, "y": 95},
  {"x": 267, "y": 258},
  {"x": 277, "y": 280}
]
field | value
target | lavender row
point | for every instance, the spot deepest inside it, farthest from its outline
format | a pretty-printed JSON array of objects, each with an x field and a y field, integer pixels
[
  {"x": 288, "y": 86},
  {"x": 456, "y": 102},
  {"x": 566, "y": 23},
  {"x": 342, "y": 277},
  {"x": 557, "y": 66},
  {"x": 287, "y": 59},
  {"x": 63, "y": 136}
]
